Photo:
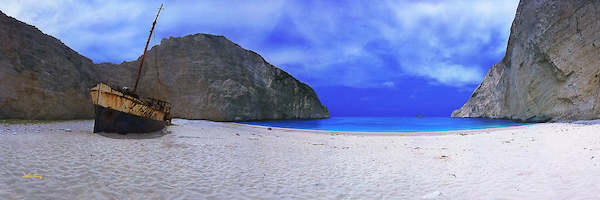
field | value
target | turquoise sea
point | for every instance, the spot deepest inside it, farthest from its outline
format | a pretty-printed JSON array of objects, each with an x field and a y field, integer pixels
[{"x": 389, "y": 124}]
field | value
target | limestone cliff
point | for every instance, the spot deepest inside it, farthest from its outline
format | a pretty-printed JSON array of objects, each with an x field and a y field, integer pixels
[
  {"x": 40, "y": 77},
  {"x": 209, "y": 77},
  {"x": 551, "y": 70},
  {"x": 203, "y": 76}
]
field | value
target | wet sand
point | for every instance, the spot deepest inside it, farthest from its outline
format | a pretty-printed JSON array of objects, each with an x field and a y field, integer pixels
[{"x": 208, "y": 160}]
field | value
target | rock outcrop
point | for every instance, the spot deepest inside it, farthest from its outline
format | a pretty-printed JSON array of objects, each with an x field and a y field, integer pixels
[
  {"x": 551, "y": 70},
  {"x": 40, "y": 77},
  {"x": 209, "y": 77},
  {"x": 203, "y": 76}
]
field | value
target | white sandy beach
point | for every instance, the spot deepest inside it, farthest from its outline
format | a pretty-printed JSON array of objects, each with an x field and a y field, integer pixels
[{"x": 209, "y": 160}]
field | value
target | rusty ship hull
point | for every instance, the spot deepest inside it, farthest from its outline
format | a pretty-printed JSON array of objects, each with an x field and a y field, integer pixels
[{"x": 117, "y": 112}]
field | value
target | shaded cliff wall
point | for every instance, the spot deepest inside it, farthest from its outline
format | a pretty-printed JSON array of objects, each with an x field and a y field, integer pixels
[{"x": 40, "y": 77}]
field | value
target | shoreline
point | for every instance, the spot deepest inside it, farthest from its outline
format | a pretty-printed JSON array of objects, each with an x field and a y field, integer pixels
[
  {"x": 374, "y": 133},
  {"x": 21, "y": 122}
]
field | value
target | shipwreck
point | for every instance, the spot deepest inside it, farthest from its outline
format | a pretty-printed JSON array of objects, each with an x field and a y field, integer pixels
[{"x": 122, "y": 111}]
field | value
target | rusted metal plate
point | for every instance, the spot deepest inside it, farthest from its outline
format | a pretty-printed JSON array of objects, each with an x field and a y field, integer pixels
[{"x": 103, "y": 95}]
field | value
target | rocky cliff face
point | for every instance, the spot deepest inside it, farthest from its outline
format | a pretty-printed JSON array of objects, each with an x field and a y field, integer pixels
[
  {"x": 551, "y": 70},
  {"x": 40, "y": 77},
  {"x": 203, "y": 76},
  {"x": 209, "y": 77}
]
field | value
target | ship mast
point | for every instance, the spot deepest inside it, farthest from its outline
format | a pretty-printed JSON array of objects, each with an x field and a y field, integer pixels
[{"x": 145, "y": 49}]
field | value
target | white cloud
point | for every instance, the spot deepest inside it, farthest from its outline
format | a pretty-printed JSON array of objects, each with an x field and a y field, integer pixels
[
  {"x": 450, "y": 74},
  {"x": 447, "y": 34},
  {"x": 389, "y": 84}
]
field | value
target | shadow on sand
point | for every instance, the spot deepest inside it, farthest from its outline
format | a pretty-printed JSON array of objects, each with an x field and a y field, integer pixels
[{"x": 150, "y": 135}]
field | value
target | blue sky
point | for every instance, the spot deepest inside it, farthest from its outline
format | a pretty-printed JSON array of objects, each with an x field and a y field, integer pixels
[{"x": 368, "y": 58}]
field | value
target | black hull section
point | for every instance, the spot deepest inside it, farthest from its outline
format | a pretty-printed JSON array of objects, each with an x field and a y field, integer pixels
[{"x": 112, "y": 121}]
